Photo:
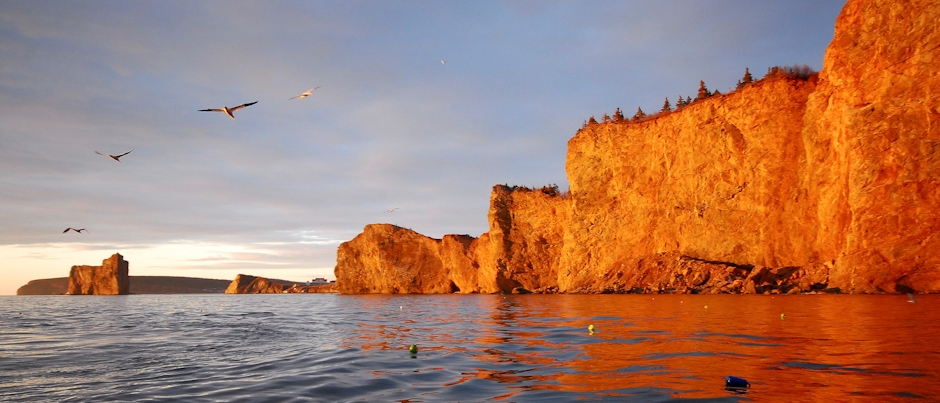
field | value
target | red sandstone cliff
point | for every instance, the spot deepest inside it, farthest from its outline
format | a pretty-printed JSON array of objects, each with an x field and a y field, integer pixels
[
  {"x": 783, "y": 185},
  {"x": 108, "y": 279}
]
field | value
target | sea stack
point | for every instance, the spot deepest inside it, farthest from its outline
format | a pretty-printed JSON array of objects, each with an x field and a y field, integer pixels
[{"x": 110, "y": 278}]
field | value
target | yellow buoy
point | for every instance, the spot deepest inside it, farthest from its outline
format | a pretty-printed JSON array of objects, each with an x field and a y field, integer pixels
[{"x": 413, "y": 349}]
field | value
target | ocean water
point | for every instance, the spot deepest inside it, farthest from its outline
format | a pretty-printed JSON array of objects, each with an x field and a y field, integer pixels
[{"x": 471, "y": 348}]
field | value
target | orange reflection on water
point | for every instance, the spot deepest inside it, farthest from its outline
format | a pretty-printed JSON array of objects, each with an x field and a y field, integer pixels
[{"x": 825, "y": 348}]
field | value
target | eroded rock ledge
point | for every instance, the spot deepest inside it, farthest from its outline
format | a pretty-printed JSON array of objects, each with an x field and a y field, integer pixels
[{"x": 782, "y": 185}]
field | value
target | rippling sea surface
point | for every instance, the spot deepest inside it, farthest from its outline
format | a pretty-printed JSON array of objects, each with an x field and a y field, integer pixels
[{"x": 512, "y": 348}]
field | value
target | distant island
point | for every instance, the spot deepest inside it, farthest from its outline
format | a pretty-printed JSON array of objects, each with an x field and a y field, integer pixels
[
  {"x": 184, "y": 285},
  {"x": 138, "y": 285}
]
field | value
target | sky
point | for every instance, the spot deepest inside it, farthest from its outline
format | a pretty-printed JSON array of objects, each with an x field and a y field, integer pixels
[{"x": 422, "y": 106}]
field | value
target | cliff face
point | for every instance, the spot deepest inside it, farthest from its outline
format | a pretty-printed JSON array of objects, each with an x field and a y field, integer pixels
[
  {"x": 108, "y": 279},
  {"x": 716, "y": 180},
  {"x": 872, "y": 138},
  {"x": 524, "y": 244},
  {"x": 783, "y": 185},
  {"x": 390, "y": 259}
]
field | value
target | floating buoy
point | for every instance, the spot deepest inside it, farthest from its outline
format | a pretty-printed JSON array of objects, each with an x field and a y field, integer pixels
[
  {"x": 735, "y": 382},
  {"x": 400, "y": 308},
  {"x": 413, "y": 349},
  {"x": 706, "y": 306},
  {"x": 783, "y": 316},
  {"x": 591, "y": 329}
]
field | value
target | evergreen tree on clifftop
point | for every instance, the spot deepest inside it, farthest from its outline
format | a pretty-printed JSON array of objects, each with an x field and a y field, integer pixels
[
  {"x": 618, "y": 116},
  {"x": 639, "y": 114},
  {"x": 702, "y": 91},
  {"x": 666, "y": 106},
  {"x": 746, "y": 80}
]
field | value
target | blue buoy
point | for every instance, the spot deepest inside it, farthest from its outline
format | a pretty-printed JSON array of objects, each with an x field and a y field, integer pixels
[{"x": 736, "y": 383}]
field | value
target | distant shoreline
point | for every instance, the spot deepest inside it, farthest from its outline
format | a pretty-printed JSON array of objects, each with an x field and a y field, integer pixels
[{"x": 138, "y": 285}]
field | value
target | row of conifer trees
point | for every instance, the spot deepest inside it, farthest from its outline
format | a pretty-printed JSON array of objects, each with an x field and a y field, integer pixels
[{"x": 802, "y": 72}]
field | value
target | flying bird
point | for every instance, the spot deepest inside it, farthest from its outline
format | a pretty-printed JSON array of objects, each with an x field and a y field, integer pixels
[
  {"x": 392, "y": 210},
  {"x": 115, "y": 157},
  {"x": 228, "y": 111},
  {"x": 73, "y": 229},
  {"x": 442, "y": 62},
  {"x": 306, "y": 94}
]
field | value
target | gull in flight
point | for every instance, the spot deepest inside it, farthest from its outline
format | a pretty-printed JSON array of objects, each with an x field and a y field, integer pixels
[
  {"x": 228, "y": 111},
  {"x": 306, "y": 94},
  {"x": 73, "y": 229},
  {"x": 392, "y": 210},
  {"x": 114, "y": 157},
  {"x": 442, "y": 62}
]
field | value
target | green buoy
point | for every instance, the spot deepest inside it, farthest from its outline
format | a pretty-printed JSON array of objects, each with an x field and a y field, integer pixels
[{"x": 413, "y": 349}]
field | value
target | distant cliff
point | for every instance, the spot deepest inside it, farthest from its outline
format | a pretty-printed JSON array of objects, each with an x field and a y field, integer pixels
[
  {"x": 138, "y": 285},
  {"x": 784, "y": 185},
  {"x": 247, "y": 284}
]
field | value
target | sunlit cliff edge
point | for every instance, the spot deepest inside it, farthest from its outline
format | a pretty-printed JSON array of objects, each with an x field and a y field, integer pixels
[{"x": 783, "y": 185}]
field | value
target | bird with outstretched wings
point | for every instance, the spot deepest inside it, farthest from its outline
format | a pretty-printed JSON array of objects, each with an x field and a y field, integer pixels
[
  {"x": 228, "y": 111},
  {"x": 306, "y": 94},
  {"x": 115, "y": 157}
]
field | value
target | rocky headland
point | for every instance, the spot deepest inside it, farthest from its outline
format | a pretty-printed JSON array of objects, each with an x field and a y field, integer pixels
[
  {"x": 787, "y": 184},
  {"x": 247, "y": 284}
]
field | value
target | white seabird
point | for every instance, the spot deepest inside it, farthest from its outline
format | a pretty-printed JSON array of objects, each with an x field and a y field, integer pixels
[
  {"x": 392, "y": 210},
  {"x": 228, "y": 111},
  {"x": 115, "y": 157},
  {"x": 306, "y": 94}
]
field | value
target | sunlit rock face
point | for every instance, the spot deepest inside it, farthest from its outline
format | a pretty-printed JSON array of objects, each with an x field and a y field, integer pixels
[
  {"x": 872, "y": 138},
  {"x": 716, "y": 180},
  {"x": 388, "y": 259},
  {"x": 110, "y": 278},
  {"x": 247, "y": 284},
  {"x": 527, "y": 231},
  {"x": 784, "y": 185}
]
